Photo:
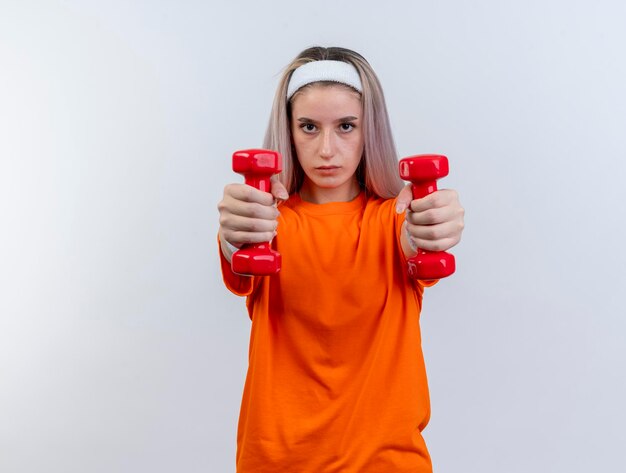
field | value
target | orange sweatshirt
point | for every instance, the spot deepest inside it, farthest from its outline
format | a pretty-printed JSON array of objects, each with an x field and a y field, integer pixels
[{"x": 336, "y": 380}]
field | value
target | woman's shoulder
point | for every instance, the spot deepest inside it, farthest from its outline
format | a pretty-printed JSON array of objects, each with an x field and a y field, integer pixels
[
  {"x": 382, "y": 211},
  {"x": 381, "y": 203}
]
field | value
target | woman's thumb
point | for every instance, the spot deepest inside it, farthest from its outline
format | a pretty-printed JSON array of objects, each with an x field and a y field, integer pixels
[
  {"x": 404, "y": 199},
  {"x": 278, "y": 190}
]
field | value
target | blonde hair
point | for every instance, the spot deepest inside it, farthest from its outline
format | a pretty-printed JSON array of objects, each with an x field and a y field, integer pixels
[{"x": 378, "y": 171}]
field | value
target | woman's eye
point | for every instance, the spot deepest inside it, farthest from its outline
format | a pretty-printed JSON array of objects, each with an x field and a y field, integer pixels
[
  {"x": 308, "y": 127},
  {"x": 345, "y": 127}
]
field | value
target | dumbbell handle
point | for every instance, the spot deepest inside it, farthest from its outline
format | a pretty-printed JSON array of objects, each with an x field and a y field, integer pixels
[
  {"x": 421, "y": 189},
  {"x": 259, "y": 181}
]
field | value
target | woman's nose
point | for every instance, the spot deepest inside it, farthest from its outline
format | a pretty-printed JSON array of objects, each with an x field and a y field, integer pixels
[{"x": 326, "y": 146}]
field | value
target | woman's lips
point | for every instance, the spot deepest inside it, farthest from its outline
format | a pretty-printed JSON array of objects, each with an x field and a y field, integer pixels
[{"x": 327, "y": 170}]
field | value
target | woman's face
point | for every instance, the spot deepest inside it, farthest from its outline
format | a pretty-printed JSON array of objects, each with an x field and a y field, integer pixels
[{"x": 326, "y": 126}]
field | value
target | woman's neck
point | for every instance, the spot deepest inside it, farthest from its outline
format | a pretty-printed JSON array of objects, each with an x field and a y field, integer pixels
[{"x": 320, "y": 195}]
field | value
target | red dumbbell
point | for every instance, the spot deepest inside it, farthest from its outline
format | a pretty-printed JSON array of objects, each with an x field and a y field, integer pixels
[
  {"x": 423, "y": 171},
  {"x": 257, "y": 166}
]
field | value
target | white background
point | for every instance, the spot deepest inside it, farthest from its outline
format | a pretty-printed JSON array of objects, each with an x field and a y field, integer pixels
[{"x": 121, "y": 351}]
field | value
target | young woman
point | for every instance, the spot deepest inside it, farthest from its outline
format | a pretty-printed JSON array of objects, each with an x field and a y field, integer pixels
[{"x": 336, "y": 379}]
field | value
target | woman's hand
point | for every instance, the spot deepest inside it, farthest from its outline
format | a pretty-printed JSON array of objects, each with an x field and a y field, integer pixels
[
  {"x": 248, "y": 215},
  {"x": 433, "y": 223}
]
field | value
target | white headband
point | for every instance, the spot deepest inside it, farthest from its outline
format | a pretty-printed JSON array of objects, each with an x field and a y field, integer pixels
[{"x": 318, "y": 71}]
